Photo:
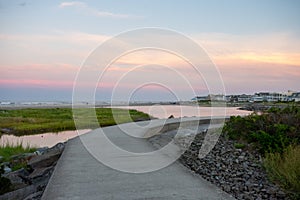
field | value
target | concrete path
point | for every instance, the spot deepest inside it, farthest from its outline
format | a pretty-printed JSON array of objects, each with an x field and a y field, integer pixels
[{"x": 78, "y": 175}]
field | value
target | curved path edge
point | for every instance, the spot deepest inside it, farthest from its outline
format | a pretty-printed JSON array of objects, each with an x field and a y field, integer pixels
[{"x": 78, "y": 175}]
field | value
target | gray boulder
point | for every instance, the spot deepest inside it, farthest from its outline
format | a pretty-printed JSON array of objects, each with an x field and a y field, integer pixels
[{"x": 45, "y": 160}]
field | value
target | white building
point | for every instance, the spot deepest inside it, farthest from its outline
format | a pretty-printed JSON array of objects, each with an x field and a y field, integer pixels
[
  {"x": 244, "y": 98},
  {"x": 5, "y": 103},
  {"x": 217, "y": 97},
  {"x": 295, "y": 97},
  {"x": 200, "y": 98},
  {"x": 257, "y": 99}
]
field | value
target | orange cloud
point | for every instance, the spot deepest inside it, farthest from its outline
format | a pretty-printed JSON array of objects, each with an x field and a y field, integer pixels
[
  {"x": 275, "y": 58},
  {"x": 147, "y": 56},
  {"x": 276, "y": 48},
  {"x": 240, "y": 59}
]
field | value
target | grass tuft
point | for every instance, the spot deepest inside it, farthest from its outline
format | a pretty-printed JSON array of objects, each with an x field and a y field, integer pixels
[
  {"x": 285, "y": 168},
  {"x": 7, "y": 150},
  {"x": 239, "y": 145}
]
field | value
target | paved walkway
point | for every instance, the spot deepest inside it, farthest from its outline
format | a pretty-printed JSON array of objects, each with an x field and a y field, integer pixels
[{"x": 78, "y": 175}]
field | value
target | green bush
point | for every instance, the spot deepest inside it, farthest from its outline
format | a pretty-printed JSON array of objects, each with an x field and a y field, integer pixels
[
  {"x": 271, "y": 131},
  {"x": 276, "y": 134}
]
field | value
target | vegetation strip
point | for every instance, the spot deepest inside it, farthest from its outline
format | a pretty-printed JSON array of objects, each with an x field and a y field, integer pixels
[
  {"x": 276, "y": 135},
  {"x": 34, "y": 121}
]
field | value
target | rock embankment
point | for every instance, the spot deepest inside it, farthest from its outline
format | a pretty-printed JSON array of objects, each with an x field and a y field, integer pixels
[
  {"x": 29, "y": 182},
  {"x": 236, "y": 171}
]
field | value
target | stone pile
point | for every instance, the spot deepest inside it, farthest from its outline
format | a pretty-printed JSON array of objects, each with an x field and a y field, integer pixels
[
  {"x": 236, "y": 171},
  {"x": 29, "y": 183}
]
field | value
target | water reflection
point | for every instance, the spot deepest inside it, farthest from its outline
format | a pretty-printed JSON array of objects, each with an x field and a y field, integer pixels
[{"x": 41, "y": 140}]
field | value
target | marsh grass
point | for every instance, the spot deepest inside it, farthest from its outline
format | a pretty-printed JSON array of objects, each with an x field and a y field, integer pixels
[
  {"x": 285, "y": 168},
  {"x": 34, "y": 121},
  {"x": 8, "y": 149}
]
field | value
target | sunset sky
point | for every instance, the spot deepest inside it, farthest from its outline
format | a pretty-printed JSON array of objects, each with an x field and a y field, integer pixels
[{"x": 255, "y": 45}]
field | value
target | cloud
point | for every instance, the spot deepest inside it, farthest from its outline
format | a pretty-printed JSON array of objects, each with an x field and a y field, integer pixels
[
  {"x": 264, "y": 62},
  {"x": 278, "y": 48},
  {"x": 36, "y": 82},
  {"x": 275, "y": 58},
  {"x": 92, "y": 11},
  {"x": 38, "y": 74},
  {"x": 251, "y": 63},
  {"x": 57, "y": 46},
  {"x": 72, "y": 3},
  {"x": 57, "y": 35}
]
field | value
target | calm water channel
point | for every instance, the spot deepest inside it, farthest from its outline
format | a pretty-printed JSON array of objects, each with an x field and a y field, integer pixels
[{"x": 158, "y": 111}]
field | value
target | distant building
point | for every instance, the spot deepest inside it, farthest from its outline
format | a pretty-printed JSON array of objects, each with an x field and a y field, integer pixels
[
  {"x": 217, "y": 97},
  {"x": 257, "y": 99},
  {"x": 210, "y": 97},
  {"x": 231, "y": 98},
  {"x": 5, "y": 103},
  {"x": 290, "y": 92},
  {"x": 295, "y": 97},
  {"x": 200, "y": 98},
  {"x": 261, "y": 96},
  {"x": 244, "y": 98},
  {"x": 270, "y": 96}
]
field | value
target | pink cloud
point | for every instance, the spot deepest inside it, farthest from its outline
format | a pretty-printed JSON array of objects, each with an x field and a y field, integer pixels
[
  {"x": 44, "y": 75},
  {"x": 257, "y": 76},
  {"x": 36, "y": 83}
]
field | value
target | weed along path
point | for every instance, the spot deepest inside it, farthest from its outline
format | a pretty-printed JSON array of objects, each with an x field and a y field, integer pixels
[{"x": 79, "y": 175}]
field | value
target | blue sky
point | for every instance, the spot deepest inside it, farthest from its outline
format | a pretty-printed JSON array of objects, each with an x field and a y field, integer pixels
[
  {"x": 43, "y": 43},
  {"x": 226, "y": 16}
]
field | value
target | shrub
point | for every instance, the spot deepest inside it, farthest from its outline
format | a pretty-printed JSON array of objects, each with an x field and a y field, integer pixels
[
  {"x": 285, "y": 168},
  {"x": 276, "y": 133},
  {"x": 272, "y": 131}
]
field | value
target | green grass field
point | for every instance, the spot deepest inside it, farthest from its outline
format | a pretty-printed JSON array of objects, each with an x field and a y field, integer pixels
[
  {"x": 34, "y": 121},
  {"x": 7, "y": 150}
]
